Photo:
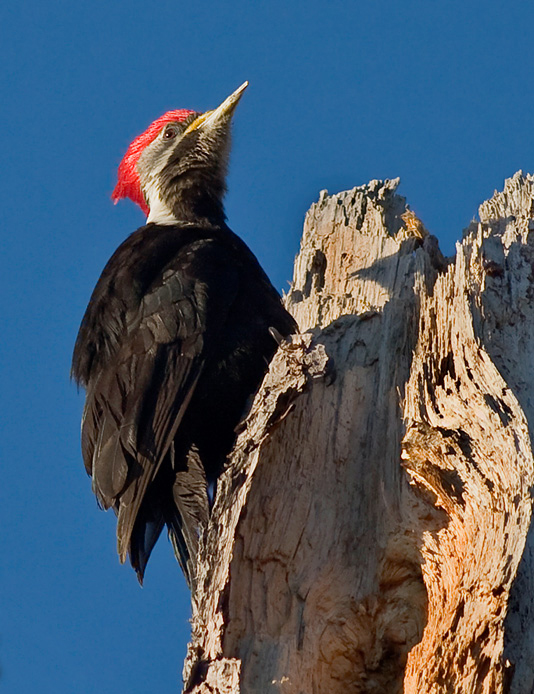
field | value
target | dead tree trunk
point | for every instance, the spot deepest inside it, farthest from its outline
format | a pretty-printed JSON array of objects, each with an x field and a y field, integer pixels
[{"x": 371, "y": 533}]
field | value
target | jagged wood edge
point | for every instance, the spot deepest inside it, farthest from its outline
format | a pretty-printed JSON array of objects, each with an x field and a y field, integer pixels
[
  {"x": 297, "y": 361},
  {"x": 467, "y": 367},
  {"x": 442, "y": 495}
]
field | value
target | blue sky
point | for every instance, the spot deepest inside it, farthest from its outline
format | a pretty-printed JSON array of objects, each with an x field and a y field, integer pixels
[{"x": 438, "y": 93}]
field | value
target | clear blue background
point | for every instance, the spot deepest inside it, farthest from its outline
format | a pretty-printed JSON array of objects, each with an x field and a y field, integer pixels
[{"x": 439, "y": 93}]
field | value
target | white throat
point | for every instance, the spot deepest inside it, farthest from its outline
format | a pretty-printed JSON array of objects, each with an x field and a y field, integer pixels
[{"x": 159, "y": 213}]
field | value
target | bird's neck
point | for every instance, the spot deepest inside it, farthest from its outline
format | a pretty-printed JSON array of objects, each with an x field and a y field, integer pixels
[{"x": 186, "y": 200}]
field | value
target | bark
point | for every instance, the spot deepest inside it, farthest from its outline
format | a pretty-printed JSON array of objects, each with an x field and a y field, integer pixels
[{"x": 372, "y": 530}]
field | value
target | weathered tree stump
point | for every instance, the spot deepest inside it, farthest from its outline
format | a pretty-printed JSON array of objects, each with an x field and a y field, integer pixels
[{"x": 371, "y": 532}]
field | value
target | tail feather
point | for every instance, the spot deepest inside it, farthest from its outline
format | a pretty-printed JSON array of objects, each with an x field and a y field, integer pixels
[
  {"x": 145, "y": 533},
  {"x": 189, "y": 514},
  {"x": 181, "y": 552},
  {"x": 176, "y": 499}
]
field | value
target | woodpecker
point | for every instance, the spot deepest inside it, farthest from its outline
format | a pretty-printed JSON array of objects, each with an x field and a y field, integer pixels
[{"x": 175, "y": 340}]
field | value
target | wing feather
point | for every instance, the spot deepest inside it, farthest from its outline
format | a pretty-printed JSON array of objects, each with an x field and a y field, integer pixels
[{"x": 136, "y": 401}]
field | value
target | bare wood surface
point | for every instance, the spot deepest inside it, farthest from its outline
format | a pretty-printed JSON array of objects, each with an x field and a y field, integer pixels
[{"x": 371, "y": 533}]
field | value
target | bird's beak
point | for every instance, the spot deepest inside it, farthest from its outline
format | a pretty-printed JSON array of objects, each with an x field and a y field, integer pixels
[{"x": 222, "y": 114}]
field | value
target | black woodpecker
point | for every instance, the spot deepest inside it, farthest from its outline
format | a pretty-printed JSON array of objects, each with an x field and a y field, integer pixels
[{"x": 174, "y": 341}]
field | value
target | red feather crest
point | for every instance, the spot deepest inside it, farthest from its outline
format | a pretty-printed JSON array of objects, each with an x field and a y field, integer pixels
[{"x": 129, "y": 184}]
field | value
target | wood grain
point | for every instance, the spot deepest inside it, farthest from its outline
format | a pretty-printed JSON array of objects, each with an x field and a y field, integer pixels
[{"x": 371, "y": 532}]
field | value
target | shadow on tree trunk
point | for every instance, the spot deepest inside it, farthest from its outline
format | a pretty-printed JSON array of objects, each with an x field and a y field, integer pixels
[{"x": 369, "y": 532}]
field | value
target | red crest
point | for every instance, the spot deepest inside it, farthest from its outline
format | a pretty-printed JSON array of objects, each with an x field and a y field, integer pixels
[{"x": 129, "y": 184}]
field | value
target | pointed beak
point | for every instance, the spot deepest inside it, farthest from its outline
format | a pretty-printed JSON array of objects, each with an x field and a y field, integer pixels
[{"x": 221, "y": 115}]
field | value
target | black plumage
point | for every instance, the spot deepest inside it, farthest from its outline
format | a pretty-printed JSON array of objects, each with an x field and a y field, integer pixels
[{"x": 174, "y": 342}]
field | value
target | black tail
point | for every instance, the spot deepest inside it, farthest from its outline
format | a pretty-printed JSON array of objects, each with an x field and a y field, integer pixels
[
  {"x": 181, "y": 552},
  {"x": 185, "y": 512},
  {"x": 146, "y": 531},
  {"x": 189, "y": 514}
]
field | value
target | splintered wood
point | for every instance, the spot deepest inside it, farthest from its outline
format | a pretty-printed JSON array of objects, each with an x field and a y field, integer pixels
[{"x": 371, "y": 531}]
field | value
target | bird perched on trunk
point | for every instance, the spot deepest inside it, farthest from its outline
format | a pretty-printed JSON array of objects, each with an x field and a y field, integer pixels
[{"x": 174, "y": 341}]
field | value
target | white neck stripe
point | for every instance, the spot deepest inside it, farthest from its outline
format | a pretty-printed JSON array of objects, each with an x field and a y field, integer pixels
[{"x": 159, "y": 212}]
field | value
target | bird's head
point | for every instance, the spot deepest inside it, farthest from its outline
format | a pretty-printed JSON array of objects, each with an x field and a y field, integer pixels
[{"x": 175, "y": 170}]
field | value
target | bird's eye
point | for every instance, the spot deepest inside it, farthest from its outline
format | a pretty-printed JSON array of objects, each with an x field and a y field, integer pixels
[{"x": 170, "y": 133}]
